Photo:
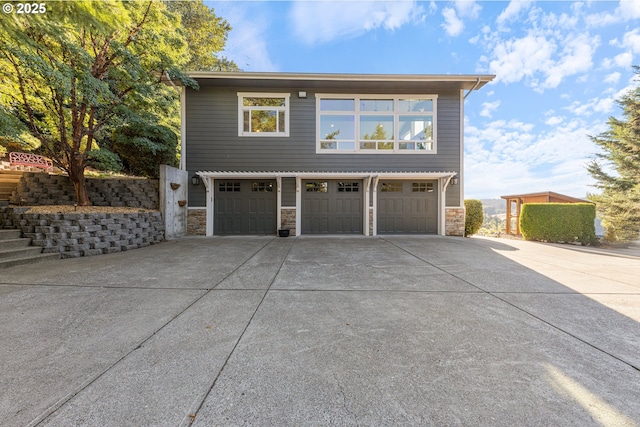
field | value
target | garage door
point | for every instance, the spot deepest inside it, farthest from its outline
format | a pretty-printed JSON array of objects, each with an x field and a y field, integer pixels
[
  {"x": 332, "y": 207},
  {"x": 245, "y": 207},
  {"x": 406, "y": 207}
]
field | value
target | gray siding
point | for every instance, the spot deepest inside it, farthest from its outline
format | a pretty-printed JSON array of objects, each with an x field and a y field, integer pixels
[
  {"x": 213, "y": 142},
  {"x": 288, "y": 192}
]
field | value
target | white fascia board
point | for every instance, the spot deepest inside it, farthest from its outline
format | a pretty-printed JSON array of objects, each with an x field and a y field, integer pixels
[
  {"x": 333, "y": 175},
  {"x": 471, "y": 80}
]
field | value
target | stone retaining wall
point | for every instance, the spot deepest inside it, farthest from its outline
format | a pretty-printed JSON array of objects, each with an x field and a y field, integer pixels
[
  {"x": 37, "y": 189},
  {"x": 80, "y": 234}
]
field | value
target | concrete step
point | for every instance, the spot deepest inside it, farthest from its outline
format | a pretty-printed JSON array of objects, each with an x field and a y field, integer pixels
[
  {"x": 22, "y": 252},
  {"x": 10, "y": 235},
  {"x": 17, "y": 250},
  {"x": 33, "y": 259},
  {"x": 10, "y": 244}
]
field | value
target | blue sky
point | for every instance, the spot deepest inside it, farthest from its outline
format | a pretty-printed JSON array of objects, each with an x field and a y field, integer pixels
[{"x": 559, "y": 68}]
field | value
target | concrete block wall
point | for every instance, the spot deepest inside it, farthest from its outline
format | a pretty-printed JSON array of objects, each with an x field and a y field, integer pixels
[
  {"x": 37, "y": 189},
  {"x": 76, "y": 234}
]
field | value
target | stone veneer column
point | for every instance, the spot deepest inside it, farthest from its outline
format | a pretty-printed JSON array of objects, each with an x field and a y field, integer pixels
[
  {"x": 288, "y": 220},
  {"x": 454, "y": 221},
  {"x": 197, "y": 222}
]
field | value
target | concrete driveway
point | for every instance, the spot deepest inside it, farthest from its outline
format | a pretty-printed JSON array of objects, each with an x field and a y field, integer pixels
[{"x": 324, "y": 331}]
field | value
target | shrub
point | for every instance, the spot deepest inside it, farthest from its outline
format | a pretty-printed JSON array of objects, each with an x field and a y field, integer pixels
[
  {"x": 474, "y": 217},
  {"x": 559, "y": 222},
  {"x": 144, "y": 147}
]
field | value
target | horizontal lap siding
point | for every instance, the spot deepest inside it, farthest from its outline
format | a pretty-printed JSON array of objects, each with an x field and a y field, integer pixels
[{"x": 213, "y": 142}]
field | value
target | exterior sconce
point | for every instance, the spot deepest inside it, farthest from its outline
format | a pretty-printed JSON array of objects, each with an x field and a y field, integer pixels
[
  {"x": 302, "y": 94},
  {"x": 454, "y": 180},
  {"x": 195, "y": 180}
]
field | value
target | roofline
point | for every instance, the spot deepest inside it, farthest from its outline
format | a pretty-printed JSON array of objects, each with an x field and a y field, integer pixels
[
  {"x": 479, "y": 79},
  {"x": 328, "y": 175},
  {"x": 546, "y": 193}
]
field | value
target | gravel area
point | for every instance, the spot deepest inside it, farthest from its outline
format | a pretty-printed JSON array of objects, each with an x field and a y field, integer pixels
[{"x": 53, "y": 209}]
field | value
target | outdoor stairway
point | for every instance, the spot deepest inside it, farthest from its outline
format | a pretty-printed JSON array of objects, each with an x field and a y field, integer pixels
[
  {"x": 8, "y": 183},
  {"x": 17, "y": 250}
]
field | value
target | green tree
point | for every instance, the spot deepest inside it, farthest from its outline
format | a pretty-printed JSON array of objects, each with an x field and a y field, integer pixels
[
  {"x": 206, "y": 35},
  {"x": 144, "y": 146},
  {"x": 380, "y": 134},
  {"x": 473, "y": 218},
  {"x": 617, "y": 171},
  {"x": 69, "y": 72}
]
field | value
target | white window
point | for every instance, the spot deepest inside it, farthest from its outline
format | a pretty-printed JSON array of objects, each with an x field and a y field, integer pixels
[
  {"x": 376, "y": 123},
  {"x": 263, "y": 114}
]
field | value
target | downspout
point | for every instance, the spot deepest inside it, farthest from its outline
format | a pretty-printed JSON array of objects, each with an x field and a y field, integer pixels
[{"x": 473, "y": 88}]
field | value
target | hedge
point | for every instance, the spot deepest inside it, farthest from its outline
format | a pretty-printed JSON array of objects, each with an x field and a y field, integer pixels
[
  {"x": 474, "y": 217},
  {"x": 559, "y": 222}
]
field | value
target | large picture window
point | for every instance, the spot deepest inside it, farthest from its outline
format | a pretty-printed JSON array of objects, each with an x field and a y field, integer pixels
[
  {"x": 376, "y": 123},
  {"x": 263, "y": 114}
]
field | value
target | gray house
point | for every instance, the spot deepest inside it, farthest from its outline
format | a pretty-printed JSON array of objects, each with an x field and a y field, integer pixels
[{"x": 326, "y": 153}]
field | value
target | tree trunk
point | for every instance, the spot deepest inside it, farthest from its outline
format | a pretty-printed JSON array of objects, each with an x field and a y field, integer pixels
[{"x": 76, "y": 174}]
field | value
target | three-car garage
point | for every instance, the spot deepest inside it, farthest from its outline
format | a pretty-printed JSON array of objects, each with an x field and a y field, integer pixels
[{"x": 326, "y": 205}]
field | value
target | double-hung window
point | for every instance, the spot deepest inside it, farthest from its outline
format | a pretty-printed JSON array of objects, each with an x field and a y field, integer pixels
[
  {"x": 376, "y": 123},
  {"x": 263, "y": 114}
]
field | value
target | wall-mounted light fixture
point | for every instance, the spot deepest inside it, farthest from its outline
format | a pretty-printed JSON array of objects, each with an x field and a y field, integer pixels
[
  {"x": 302, "y": 94},
  {"x": 195, "y": 180},
  {"x": 454, "y": 180}
]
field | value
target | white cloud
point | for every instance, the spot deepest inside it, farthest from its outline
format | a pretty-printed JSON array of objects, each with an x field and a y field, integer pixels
[
  {"x": 515, "y": 59},
  {"x": 576, "y": 57},
  {"x": 489, "y": 107},
  {"x": 552, "y": 48},
  {"x": 626, "y": 11},
  {"x": 513, "y": 157},
  {"x": 554, "y": 120},
  {"x": 247, "y": 41},
  {"x": 631, "y": 40},
  {"x": 587, "y": 108},
  {"x": 623, "y": 60},
  {"x": 452, "y": 24},
  {"x": 468, "y": 9},
  {"x": 323, "y": 21},
  {"x": 512, "y": 11},
  {"x": 612, "y": 78}
]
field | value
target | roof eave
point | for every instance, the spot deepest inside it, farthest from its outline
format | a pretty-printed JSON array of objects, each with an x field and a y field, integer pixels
[{"x": 468, "y": 81}]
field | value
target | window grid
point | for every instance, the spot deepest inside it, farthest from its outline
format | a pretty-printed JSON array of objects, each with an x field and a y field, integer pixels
[
  {"x": 348, "y": 187},
  {"x": 422, "y": 187},
  {"x": 263, "y": 114},
  {"x": 369, "y": 107},
  {"x": 391, "y": 187},
  {"x": 317, "y": 186},
  {"x": 262, "y": 186},
  {"x": 229, "y": 187}
]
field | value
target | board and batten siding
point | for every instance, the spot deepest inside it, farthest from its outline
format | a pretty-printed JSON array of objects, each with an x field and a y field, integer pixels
[{"x": 213, "y": 144}]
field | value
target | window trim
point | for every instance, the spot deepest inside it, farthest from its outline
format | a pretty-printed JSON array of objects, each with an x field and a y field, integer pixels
[
  {"x": 285, "y": 109},
  {"x": 357, "y": 114}
]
